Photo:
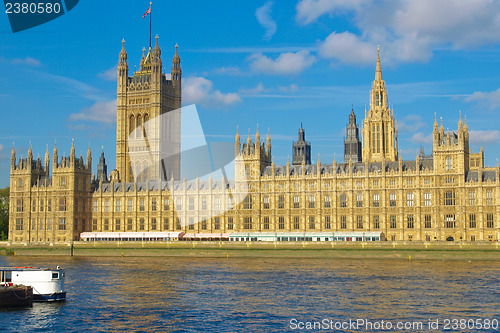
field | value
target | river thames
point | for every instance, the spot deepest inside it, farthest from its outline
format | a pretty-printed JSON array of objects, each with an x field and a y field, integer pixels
[{"x": 162, "y": 294}]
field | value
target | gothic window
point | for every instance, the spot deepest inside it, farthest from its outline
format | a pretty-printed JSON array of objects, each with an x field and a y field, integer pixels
[
  {"x": 489, "y": 221},
  {"x": 359, "y": 222},
  {"x": 489, "y": 197},
  {"x": 247, "y": 223},
  {"x": 145, "y": 129},
  {"x": 428, "y": 221},
  {"x": 343, "y": 200},
  {"x": 427, "y": 199},
  {"x": 139, "y": 126},
  {"x": 266, "y": 222},
  {"x": 393, "y": 222},
  {"x": 327, "y": 201},
  {"x": 266, "y": 202},
  {"x": 359, "y": 200},
  {"x": 132, "y": 124},
  {"x": 281, "y": 222},
  {"x": 472, "y": 220},
  {"x": 410, "y": 221},
  {"x": 328, "y": 224},
  {"x": 449, "y": 199},
  {"x": 472, "y": 198},
  {"x": 450, "y": 220},
  {"x": 343, "y": 222},
  {"x": 247, "y": 202},
  {"x": 449, "y": 163},
  {"x": 312, "y": 223},
  {"x": 409, "y": 199},
  {"x": 281, "y": 201},
  {"x": 311, "y": 201}
]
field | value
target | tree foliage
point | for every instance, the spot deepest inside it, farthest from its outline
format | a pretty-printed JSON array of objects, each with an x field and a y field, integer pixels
[{"x": 4, "y": 213}]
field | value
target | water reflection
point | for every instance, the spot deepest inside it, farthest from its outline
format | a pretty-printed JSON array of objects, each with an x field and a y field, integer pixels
[{"x": 255, "y": 294}]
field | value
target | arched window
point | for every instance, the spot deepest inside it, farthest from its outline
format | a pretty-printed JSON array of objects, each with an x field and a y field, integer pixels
[
  {"x": 138, "y": 133},
  {"x": 132, "y": 124},
  {"x": 146, "y": 125}
]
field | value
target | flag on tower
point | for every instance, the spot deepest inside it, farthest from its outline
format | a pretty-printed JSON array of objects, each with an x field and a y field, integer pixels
[{"x": 147, "y": 12}]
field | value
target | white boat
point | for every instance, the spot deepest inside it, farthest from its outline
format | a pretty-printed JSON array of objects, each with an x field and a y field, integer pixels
[{"x": 47, "y": 283}]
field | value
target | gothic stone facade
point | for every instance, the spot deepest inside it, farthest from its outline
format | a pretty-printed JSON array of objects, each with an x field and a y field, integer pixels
[{"x": 448, "y": 195}]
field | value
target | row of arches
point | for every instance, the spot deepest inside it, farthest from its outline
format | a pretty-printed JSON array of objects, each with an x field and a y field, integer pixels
[
  {"x": 140, "y": 122},
  {"x": 140, "y": 171}
]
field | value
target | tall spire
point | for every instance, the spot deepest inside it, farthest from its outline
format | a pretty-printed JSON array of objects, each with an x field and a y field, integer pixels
[
  {"x": 157, "y": 50},
  {"x": 378, "y": 70},
  {"x": 123, "y": 53},
  {"x": 13, "y": 157}
]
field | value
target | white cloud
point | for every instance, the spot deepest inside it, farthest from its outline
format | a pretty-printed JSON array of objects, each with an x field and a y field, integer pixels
[
  {"x": 102, "y": 112},
  {"x": 286, "y": 64},
  {"x": 1, "y": 148},
  {"x": 109, "y": 74},
  {"x": 408, "y": 31},
  {"x": 484, "y": 137},
  {"x": 308, "y": 11},
  {"x": 232, "y": 71},
  {"x": 489, "y": 100},
  {"x": 29, "y": 61},
  {"x": 420, "y": 138},
  {"x": 291, "y": 88},
  {"x": 263, "y": 15},
  {"x": 198, "y": 90},
  {"x": 347, "y": 48},
  {"x": 253, "y": 91},
  {"x": 411, "y": 123}
]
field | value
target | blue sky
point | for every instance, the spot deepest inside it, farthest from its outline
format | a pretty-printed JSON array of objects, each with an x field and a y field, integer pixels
[{"x": 276, "y": 64}]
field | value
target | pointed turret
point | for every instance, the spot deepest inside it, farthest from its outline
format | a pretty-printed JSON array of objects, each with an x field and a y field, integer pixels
[
  {"x": 102, "y": 169},
  {"x": 301, "y": 149},
  {"x": 54, "y": 157},
  {"x": 123, "y": 53},
  {"x": 30, "y": 153},
  {"x": 176, "y": 68},
  {"x": 143, "y": 59},
  {"x": 378, "y": 69},
  {"x": 460, "y": 123},
  {"x": 237, "y": 143},
  {"x": 352, "y": 144},
  {"x": 268, "y": 144},
  {"x": 72, "y": 155},
  {"x": 156, "y": 50},
  {"x": 47, "y": 160},
  {"x": 13, "y": 158},
  {"x": 257, "y": 137},
  {"x": 122, "y": 69},
  {"x": 435, "y": 122},
  {"x": 89, "y": 158},
  {"x": 249, "y": 139}
]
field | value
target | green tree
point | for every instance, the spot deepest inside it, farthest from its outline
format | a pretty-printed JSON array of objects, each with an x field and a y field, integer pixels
[{"x": 4, "y": 213}]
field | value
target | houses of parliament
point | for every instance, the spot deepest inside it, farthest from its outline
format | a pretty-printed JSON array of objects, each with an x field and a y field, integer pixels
[{"x": 448, "y": 195}]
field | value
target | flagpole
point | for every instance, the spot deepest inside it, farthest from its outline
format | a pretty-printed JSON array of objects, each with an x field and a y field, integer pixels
[{"x": 150, "y": 14}]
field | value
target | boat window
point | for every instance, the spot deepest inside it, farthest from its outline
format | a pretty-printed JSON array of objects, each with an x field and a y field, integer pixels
[
  {"x": 8, "y": 276},
  {"x": 55, "y": 275}
]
